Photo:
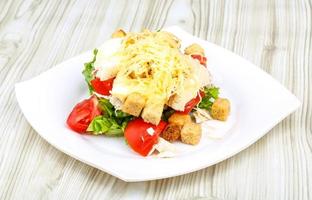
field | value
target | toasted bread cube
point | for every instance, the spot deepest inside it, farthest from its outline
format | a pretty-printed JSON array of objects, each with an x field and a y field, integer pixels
[
  {"x": 119, "y": 33},
  {"x": 191, "y": 133},
  {"x": 194, "y": 49},
  {"x": 179, "y": 119},
  {"x": 220, "y": 109},
  {"x": 134, "y": 104},
  {"x": 171, "y": 133},
  {"x": 152, "y": 112}
]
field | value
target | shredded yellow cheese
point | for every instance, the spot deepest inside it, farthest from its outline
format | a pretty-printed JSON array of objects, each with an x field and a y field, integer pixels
[{"x": 153, "y": 65}]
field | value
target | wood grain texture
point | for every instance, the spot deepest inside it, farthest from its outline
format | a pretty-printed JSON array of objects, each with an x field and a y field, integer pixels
[{"x": 274, "y": 34}]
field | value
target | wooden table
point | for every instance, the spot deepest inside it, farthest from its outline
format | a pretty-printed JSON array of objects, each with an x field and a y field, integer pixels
[{"x": 273, "y": 34}]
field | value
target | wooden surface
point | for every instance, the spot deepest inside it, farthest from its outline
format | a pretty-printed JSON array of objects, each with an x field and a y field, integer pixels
[{"x": 274, "y": 34}]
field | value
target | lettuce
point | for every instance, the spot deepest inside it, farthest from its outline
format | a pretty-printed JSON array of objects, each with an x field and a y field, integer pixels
[
  {"x": 88, "y": 71},
  {"x": 211, "y": 94},
  {"x": 167, "y": 113},
  {"x": 108, "y": 126},
  {"x": 112, "y": 123}
]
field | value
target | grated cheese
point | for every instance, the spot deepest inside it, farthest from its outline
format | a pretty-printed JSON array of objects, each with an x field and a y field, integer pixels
[
  {"x": 155, "y": 69},
  {"x": 151, "y": 64}
]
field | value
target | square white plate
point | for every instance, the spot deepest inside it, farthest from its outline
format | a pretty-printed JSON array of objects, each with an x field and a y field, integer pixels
[{"x": 47, "y": 99}]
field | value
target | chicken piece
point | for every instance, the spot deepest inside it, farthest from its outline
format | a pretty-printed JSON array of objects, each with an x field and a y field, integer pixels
[
  {"x": 191, "y": 133},
  {"x": 165, "y": 149},
  {"x": 171, "y": 133},
  {"x": 177, "y": 102},
  {"x": 200, "y": 78},
  {"x": 179, "y": 119},
  {"x": 201, "y": 115},
  {"x": 152, "y": 112},
  {"x": 119, "y": 33},
  {"x": 201, "y": 73},
  {"x": 220, "y": 109},
  {"x": 194, "y": 49},
  {"x": 134, "y": 104}
]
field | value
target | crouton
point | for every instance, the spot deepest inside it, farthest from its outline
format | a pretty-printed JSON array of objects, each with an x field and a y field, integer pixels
[
  {"x": 194, "y": 49},
  {"x": 179, "y": 119},
  {"x": 134, "y": 104},
  {"x": 152, "y": 112},
  {"x": 220, "y": 109},
  {"x": 191, "y": 133},
  {"x": 171, "y": 133},
  {"x": 119, "y": 33}
]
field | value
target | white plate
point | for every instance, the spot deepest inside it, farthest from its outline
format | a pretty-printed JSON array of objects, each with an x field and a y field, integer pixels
[{"x": 258, "y": 100}]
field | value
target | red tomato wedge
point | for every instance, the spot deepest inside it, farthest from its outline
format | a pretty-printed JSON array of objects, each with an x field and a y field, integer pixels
[
  {"x": 192, "y": 103},
  {"x": 139, "y": 139},
  {"x": 202, "y": 59},
  {"x": 82, "y": 114},
  {"x": 102, "y": 87}
]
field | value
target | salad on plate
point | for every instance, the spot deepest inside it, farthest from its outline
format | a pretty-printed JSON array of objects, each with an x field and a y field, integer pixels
[{"x": 145, "y": 88}]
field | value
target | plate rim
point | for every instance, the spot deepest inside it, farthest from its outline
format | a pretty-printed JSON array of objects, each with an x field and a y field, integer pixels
[{"x": 19, "y": 86}]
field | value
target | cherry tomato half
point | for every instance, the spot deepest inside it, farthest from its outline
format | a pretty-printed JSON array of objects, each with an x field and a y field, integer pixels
[
  {"x": 202, "y": 59},
  {"x": 139, "y": 139},
  {"x": 102, "y": 87},
  {"x": 192, "y": 103},
  {"x": 82, "y": 114}
]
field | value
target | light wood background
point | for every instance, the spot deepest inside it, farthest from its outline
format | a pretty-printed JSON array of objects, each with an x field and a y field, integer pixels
[{"x": 274, "y": 34}]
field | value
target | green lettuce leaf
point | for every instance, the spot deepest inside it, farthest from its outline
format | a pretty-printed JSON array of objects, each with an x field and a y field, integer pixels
[
  {"x": 211, "y": 94},
  {"x": 112, "y": 123},
  {"x": 106, "y": 107},
  {"x": 167, "y": 113},
  {"x": 88, "y": 71},
  {"x": 105, "y": 125}
]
